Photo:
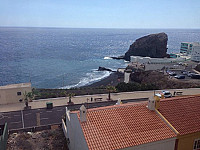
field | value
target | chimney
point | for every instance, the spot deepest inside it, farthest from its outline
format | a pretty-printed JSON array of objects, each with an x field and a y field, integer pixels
[
  {"x": 119, "y": 102},
  {"x": 157, "y": 102},
  {"x": 153, "y": 103},
  {"x": 83, "y": 114}
]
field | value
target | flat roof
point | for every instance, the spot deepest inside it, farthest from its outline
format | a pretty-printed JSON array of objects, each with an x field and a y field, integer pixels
[{"x": 12, "y": 86}]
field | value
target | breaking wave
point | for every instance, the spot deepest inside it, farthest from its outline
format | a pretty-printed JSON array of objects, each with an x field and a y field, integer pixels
[
  {"x": 107, "y": 58},
  {"x": 90, "y": 78}
]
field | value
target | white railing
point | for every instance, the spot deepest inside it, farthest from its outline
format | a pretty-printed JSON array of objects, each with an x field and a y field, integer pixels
[{"x": 64, "y": 128}]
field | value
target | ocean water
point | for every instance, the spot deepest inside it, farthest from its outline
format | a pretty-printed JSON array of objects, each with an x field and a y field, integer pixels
[{"x": 65, "y": 57}]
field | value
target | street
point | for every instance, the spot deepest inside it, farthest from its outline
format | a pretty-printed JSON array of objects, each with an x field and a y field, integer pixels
[{"x": 38, "y": 117}]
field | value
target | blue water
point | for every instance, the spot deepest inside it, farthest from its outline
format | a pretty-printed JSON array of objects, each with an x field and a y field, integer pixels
[{"x": 63, "y": 57}]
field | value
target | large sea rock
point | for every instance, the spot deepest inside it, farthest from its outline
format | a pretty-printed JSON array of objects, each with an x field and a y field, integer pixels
[{"x": 153, "y": 45}]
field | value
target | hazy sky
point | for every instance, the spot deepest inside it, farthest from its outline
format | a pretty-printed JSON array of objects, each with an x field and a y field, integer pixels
[{"x": 101, "y": 13}]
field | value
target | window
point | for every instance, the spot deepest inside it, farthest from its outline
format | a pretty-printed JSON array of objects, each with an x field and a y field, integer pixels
[
  {"x": 19, "y": 93},
  {"x": 196, "y": 144}
]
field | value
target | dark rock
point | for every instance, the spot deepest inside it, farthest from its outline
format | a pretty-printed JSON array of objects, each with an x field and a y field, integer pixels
[
  {"x": 104, "y": 69},
  {"x": 153, "y": 45},
  {"x": 119, "y": 57}
]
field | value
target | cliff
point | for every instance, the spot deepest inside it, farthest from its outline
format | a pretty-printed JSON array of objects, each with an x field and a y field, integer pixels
[{"x": 153, "y": 45}]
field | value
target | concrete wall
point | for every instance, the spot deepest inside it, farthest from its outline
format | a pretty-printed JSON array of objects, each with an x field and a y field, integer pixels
[
  {"x": 160, "y": 66},
  {"x": 186, "y": 142},
  {"x": 75, "y": 133},
  {"x": 8, "y": 94},
  {"x": 167, "y": 144},
  {"x": 145, "y": 60}
]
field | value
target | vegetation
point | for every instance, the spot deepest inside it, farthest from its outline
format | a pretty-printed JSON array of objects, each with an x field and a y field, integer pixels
[
  {"x": 26, "y": 98},
  {"x": 53, "y": 93},
  {"x": 110, "y": 89},
  {"x": 128, "y": 87},
  {"x": 70, "y": 97}
]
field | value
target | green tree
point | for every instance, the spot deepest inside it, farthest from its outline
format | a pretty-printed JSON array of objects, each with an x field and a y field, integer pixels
[
  {"x": 30, "y": 96},
  {"x": 70, "y": 97},
  {"x": 110, "y": 89},
  {"x": 26, "y": 98}
]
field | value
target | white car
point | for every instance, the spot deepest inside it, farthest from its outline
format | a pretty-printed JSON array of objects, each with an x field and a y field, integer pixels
[{"x": 166, "y": 94}]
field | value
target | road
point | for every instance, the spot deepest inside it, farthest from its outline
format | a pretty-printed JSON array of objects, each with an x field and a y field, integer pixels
[{"x": 38, "y": 117}]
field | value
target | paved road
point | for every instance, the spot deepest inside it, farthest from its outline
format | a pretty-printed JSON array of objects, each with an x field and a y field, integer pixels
[{"x": 29, "y": 118}]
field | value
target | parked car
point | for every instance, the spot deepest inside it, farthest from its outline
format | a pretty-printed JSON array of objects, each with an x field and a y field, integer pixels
[
  {"x": 179, "y": 77},
  {"x": 166, "y": 94},
  {"x": 190, "y": 74},
  {"x": 172, "y": 74},
  {"x": 195, "y": 76},
  {"x": 184, "y": 72}
]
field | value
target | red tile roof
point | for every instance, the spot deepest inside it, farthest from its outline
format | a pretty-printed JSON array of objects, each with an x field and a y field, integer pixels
[
  {"x": 183, "y": 113},
  {"x": 122, "y": 126}
]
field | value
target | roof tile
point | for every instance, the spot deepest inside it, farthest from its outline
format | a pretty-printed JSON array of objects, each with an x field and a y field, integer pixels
[
  {"x": 183, "y": 113},
  {"x": 123, "y": 126}
]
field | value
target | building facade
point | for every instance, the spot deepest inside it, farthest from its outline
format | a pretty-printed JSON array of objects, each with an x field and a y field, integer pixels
[
  {"x": 13, "y": 93},
  {"x": 195, "y": 55},
  {"x": 186, "y": 48}
]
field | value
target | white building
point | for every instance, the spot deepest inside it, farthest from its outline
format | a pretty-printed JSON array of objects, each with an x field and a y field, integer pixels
[
  {"x": 127, "y": 74},
  {"x": 125, "y": 127},
  {"x": 186, "y": 48},
  {"x": 158, "y": 63},
  {"x": 195, "y": 55},
  {"x": 145, "y": 60}
]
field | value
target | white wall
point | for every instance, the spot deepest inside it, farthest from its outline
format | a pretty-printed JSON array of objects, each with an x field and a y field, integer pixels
[
  {"x": 167, "y": 144},
  {"x": 75, "y": 133},
  {"x": 145, "y": 60},
  {"x": 195, "y": 55},
  {"x": 126, "y": 77}
]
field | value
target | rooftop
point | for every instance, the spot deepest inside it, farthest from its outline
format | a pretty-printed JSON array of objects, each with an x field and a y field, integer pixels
[
  {"x": 183, "y": 113},
  {"x": 122, "y": 126},
  {"x": 11, "y": 86}
]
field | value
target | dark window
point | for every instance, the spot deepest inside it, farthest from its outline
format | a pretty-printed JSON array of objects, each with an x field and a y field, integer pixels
[
  {"x": 19, "y": 93},
  {"x": 195, "y": 145}
]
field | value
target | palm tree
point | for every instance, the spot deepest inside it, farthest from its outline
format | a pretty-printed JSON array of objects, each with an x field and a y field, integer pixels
[
  {"x": 26, "y": 98},
  {"x": 70, "y": 97},
  {"x": 110, "y": 89},
  {"x": 30, "y": 96}
]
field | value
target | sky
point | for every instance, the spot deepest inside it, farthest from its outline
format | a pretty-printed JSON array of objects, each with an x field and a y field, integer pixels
[{"x": 101, "y": 13}]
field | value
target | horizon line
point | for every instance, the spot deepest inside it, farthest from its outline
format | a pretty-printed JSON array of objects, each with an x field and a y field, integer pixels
[{"x": 87, "y": 27}]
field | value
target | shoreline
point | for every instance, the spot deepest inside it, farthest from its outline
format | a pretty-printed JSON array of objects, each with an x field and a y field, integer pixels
[{"x": 113, "y": 79}]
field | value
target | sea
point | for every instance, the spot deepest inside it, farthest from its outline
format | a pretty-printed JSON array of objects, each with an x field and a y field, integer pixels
[{"x": 70, "y": 57}]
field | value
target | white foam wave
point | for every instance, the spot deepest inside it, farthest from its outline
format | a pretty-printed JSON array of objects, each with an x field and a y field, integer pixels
[
  {"x": 107, "y": 58},
  {"x": 89, "y": 79}
]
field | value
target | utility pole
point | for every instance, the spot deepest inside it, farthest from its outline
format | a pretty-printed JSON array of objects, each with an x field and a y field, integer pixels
[{"x": 29, "y": 77}]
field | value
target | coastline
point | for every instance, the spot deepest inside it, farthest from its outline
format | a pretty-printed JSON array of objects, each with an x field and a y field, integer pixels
[{"x": 113, "y": 79}]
